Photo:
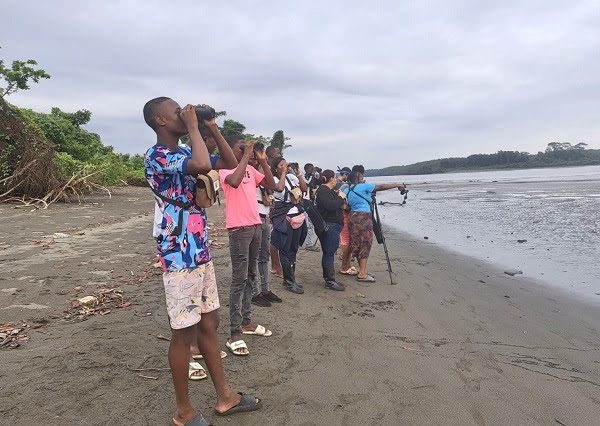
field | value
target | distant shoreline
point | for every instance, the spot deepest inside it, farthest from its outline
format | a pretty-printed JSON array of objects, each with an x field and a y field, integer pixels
[{"x": 492, "y": 162}]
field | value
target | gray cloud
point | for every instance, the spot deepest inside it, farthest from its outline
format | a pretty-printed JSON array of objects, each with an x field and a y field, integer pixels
[{"x": 384, "y": 84}]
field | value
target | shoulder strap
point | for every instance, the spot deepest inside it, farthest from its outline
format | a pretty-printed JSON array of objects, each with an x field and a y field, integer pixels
[
  {"x": 352, "y": 189},
  {"x": 263, "y": 192},
  {"x": 290, "y": 182},
  {"x": 178, "y": 229},
  {"x": 171, "y": 201},
  {"x": 286, "y": 191}
]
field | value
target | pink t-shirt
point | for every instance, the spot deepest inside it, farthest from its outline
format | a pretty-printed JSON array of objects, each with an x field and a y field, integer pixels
[{"x": 241, "y": 208}]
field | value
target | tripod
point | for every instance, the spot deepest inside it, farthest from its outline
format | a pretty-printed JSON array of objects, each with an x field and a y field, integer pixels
[{"x": 377, "y": 228}]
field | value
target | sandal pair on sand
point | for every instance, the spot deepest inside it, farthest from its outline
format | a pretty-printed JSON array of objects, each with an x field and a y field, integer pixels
[
  {"x": 350, "y": 271},
  {"x": 370, "y": 278},
  {"x": 199, "y": 356},
  {"x": 238, "y": 346},
  {"x": 195, "y": 369},
  {"x": 277, "y": 274},
  {"x": 247, "y": 403}
]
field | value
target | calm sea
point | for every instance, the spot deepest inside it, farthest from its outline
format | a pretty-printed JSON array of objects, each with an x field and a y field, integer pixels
[{"x": 544, "y": 222}]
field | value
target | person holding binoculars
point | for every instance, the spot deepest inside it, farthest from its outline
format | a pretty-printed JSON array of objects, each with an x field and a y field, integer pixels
[{"x": 189, "y": 278}]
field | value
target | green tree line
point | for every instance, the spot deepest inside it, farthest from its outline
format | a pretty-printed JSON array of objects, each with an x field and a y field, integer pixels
[
  {"x": 77, "y": 149},
  {"x": 557, "y": 154}
]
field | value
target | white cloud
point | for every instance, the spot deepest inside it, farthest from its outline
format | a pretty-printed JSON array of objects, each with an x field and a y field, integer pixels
[{"x": 380, "y": 84}]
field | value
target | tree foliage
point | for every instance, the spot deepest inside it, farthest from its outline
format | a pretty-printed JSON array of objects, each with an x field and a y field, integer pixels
[
  {"x": 232, "y": 127},
  {"x": 64, "y": 130},
  {"x": 19, "y": 75},
  {"x": 278, "y": 141}
]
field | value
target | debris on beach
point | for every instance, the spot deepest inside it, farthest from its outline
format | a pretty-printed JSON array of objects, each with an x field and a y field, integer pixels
[
  {"x": 12, "y": 336},
  {"x": 521, "y": 241},
  {"x": 215, "y": 244},
  {"x": 88, "y": 300},
  {"x": 101, "y": 302},
  {"x": 513, "y": 272}
]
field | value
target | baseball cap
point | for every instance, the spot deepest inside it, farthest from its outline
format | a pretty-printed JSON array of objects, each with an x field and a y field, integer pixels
[{"x": 344, "y": 170}]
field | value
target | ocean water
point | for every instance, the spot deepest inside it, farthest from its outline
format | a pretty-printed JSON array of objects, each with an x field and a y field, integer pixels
[{"x": 543, "y": 222}]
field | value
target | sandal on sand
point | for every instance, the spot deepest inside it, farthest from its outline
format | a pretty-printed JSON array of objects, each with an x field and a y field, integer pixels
[
  {"x": 199, "y": 356},
  {"x": 197, "y": 420},
  {"x": 259, "y": 331},
  {"x": 236, "y": 347},
  {"x": 247, "y": 403},
  {"x": 350, "y": 271},
  {"x": 277, "y": 274},
  {"x": 368, "y": 279},
  {"x": 196, "y": 371}
]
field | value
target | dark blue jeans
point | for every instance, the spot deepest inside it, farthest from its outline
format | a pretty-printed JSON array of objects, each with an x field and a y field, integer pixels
[
  {"x": 287, "y": 244},
  {"x": 244, "y": 244},
  {"x": 330, "y": 241}
]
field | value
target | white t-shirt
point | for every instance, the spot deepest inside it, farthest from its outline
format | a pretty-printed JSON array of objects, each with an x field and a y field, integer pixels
[
  {"x": 279, "y": 196},
  {"x": 262, "y": 209}
]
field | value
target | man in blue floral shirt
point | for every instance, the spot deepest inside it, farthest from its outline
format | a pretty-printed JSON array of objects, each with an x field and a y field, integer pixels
[{"x": 189, "y": 278}]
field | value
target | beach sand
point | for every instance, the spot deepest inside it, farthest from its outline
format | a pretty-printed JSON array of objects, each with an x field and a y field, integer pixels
[{"x": 456, "y": 341}]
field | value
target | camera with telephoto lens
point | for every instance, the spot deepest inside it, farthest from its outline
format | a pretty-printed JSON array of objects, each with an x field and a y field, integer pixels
[
  {"x": 205, "y": 113},
  {"x": 403, "y": 191}
]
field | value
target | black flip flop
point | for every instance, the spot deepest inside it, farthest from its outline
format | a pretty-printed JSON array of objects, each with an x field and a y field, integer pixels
[
  {"x": 247, "y": 403},
  {"x": 197, "y": 420},
  {"x": 367, "y": 279}
]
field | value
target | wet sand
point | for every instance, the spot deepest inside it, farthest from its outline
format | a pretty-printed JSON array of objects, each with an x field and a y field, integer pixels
[{"x": 455, "y": 341}]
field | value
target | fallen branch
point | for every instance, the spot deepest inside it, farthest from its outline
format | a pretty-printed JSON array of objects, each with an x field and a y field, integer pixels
[
  {"x": 148, "y": 377},
  {"x": 148, "y": 369}
]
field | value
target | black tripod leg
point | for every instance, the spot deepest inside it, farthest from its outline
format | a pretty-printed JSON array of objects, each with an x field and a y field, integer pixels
[{"x": 385, "y": 250}]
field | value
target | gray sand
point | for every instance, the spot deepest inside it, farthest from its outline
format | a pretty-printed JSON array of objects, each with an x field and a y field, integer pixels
[{"x": 454, "y": 342}]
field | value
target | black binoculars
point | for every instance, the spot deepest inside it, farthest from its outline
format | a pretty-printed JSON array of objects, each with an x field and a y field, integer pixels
[{"x": 205, "y": 113}]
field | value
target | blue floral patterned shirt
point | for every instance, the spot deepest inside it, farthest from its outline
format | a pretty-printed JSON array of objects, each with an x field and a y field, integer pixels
[{"x": 183, "y": 239}]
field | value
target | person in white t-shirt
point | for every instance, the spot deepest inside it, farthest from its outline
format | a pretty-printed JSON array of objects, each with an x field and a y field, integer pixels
[{"x": 288, "y": 217}]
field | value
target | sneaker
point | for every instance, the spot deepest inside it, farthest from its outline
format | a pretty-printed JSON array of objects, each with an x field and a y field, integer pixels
[
  {"x": 272, "y": 297},
  {"x": 259, "y": 300}
]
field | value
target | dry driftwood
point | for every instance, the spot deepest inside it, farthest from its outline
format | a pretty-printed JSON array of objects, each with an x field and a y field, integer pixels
[{"x": 28, "y": 174}]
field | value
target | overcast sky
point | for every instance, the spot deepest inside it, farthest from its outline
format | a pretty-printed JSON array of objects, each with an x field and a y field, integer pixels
[{"x": 380, "y": 83}]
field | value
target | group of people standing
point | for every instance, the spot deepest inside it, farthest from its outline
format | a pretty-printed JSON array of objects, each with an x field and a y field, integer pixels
[{"x": 266, "y": 201}]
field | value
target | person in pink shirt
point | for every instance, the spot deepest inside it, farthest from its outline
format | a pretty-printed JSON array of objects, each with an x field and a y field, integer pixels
[{"x": 243, "y": 224}]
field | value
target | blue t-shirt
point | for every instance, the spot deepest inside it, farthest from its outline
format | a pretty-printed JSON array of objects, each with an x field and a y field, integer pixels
[
  {"x": 166, "y": 173},
  {"x": 355, "y": 194}
]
